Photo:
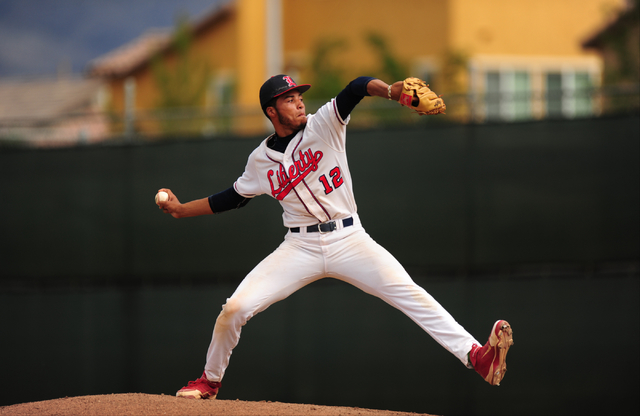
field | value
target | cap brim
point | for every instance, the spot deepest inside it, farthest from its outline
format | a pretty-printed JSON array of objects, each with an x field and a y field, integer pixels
[{"x": 301, "y": 87}]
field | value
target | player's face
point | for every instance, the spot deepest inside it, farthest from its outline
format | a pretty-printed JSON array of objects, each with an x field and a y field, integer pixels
[{"x": 291, "y": 111}]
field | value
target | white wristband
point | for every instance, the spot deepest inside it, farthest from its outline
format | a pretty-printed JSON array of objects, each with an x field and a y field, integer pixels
[{"x": 389, "y": 91}]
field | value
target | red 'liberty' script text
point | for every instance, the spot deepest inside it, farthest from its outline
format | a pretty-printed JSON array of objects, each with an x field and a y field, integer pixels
[{"x": 307, "y": 163}]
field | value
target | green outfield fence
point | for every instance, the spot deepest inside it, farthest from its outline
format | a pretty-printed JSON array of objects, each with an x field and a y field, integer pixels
[
  {"x": 535, "y": 222},
  {"x": 459, "y": 198}
]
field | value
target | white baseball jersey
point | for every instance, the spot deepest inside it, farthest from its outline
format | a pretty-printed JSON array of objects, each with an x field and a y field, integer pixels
[{"x": 311, "y": 179}]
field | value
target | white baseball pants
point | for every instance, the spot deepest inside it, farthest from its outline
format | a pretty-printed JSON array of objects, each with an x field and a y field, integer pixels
[{"x": 348, "y": 254}]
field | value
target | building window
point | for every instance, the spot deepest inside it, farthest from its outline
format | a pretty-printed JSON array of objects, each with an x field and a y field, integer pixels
[
  {"x": 220, "y": 93},
  {"x": 508, "y": 95},
  {"x": 568, "y": 94},
  {"x": 129, "y": 106},
  {"x": 219, "y": 100},
  {"x": 582, "y": 101},
  {"x": 521, "y": 95},
  {"x": 492, "y": 96},
  {"x": 553, "y": 94}
]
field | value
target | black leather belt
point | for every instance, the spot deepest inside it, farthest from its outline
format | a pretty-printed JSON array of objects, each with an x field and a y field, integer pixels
[{"x": 324, "y": 227}]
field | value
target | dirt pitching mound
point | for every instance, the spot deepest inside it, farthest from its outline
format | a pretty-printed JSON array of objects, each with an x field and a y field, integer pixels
[{"x": 137, "y": 404}]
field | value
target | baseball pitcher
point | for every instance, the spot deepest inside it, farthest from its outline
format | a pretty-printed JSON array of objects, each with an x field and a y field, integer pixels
[{"x": 304, "y": 166}]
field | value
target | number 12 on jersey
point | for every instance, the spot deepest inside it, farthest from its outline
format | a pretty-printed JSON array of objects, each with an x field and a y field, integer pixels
[{"x": 336, "y": 180}]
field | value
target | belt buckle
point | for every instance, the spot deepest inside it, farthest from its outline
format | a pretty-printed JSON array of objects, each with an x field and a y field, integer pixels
[{"x": 331, "y": 224}]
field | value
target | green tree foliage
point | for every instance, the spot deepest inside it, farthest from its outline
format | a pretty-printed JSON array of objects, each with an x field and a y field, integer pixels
[
  {"x": 182, "y": 84},
  {"x": 622, "y": 41},
  {"x": 455, "y": 64},
  {"x": 390, "y": 66},
  {"x": 327, "y": 77}
]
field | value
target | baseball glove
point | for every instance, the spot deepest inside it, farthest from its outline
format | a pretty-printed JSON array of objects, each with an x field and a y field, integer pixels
[{"x": 428, "y": 101}]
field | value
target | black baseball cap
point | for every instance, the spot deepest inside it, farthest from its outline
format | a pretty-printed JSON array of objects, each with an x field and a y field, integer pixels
[{"x": 278, "y": 85}]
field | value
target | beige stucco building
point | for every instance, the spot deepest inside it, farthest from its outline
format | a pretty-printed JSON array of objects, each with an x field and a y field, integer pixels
[{"x": 494, "y": 59}]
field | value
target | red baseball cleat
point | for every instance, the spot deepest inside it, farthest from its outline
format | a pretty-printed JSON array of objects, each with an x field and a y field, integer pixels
[
  {"x": 490, "y": 360},
  {"x": 200, "y": 389}
]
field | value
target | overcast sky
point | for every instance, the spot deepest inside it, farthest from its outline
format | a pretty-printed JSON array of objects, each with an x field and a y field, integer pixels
[{"x": 36, "y": 36}]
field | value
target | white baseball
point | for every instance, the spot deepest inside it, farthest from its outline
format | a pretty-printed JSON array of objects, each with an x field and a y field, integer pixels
[{"x": 161, "y": 196}]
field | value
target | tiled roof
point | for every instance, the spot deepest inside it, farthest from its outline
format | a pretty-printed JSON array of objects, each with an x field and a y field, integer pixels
[
  {"x": 131, "y": 55},
  {"x": 127, "y": 58}
]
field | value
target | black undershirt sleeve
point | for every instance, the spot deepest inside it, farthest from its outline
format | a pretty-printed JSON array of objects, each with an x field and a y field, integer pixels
[
  {"x": 227, "y": 200},
  {"x": 351, "y": 95}
]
